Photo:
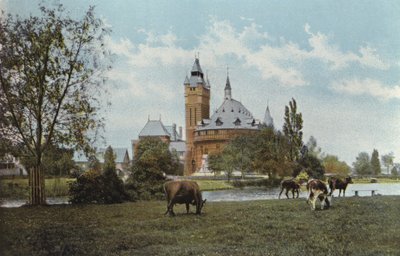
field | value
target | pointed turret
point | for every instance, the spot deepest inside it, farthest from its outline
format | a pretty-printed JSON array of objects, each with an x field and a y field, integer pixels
[
  {"x": 268, "y": 118},
  {"x": 196, "y": 76},
  {"x": 228, "y": 89},
  {"x": 187, "y": 82},
  {"x": 196, "y": 67}
]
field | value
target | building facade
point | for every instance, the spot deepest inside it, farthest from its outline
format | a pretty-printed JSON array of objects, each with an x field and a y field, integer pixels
[
  {"x": 205, "y": 134},
  {"x": 168, "y": 134}
]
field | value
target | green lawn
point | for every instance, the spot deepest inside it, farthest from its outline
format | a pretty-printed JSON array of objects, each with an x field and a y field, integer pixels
[
  {"x": 353, "y": 226},
  {"x": 208, "y": 185},
  {"x": 18, "y": 187}
]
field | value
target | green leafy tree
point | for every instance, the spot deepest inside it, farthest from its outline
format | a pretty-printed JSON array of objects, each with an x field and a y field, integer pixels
[
  {"x": 215, "y": 163},
  {"x": 387, "y": 161},
  {"x": 270, "y": 154},
  {"x": 51, "y": 72},
  {"x": 113, "y": 190},
  {"x": 362, "y": 165},
  {"x": 94, "y": 164},
  {"x": 332, "y": 164},
  {"x": 240, "y": 149},
  {"x": 313, "y": 148},
  {"x": 292, "y": 129},
  {"x": 395, "y": 171},
  {"x": 312, "y": 165},
  {"x": 96, "y": 187},
  {"x": 375, "y": 163},
  {"x": 152, "y": 161},
  {"x": 56, "y": 161}
]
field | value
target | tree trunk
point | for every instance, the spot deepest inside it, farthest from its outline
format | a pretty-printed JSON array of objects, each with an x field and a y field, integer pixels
[{"x": 37, "y": 190}]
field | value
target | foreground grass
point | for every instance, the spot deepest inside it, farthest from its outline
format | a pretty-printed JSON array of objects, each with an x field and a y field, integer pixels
[{"x": 353, "y": 226}]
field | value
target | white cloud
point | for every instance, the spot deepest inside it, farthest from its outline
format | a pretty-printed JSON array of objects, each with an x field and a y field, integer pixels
[
  {"x": 331, "y": 54},
  {"x": 3, "y": 5},
  {"x": 369, "y": 87}
]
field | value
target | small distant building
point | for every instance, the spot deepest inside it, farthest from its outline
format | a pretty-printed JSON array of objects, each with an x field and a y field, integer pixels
[
  {"x": 168, "y": 134},
  {"x": 122, "y": 160},
  {"x": 10, "y": 166}
]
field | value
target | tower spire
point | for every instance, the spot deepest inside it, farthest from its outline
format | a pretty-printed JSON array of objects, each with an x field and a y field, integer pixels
[{"x": 228, "y": 89}]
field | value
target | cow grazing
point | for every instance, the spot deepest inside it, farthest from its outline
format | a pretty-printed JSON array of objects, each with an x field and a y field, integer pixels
[
  {"x": 336, "y": 183},
  {"x": 288, "y": 185},
  {"x": 318, "y": 190},
  {"x": 183, "y": 192}
]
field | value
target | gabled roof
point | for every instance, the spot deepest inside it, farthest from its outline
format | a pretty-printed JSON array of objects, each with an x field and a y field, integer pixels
[
  {"x": 154, "y": 128},
  {"x": 175, "y": 136},
  {"x": 119, "y": 155}
]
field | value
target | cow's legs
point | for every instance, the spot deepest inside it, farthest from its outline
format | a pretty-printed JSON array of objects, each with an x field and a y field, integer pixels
[
  {"x": 313, "y": 200},
  {"x": 280, "y": 193},
  {"x": 322, "y": 203},
  {"x": 293, "y": 192},
  {"x": 171, "y": 208},
  {"x": 187, "y": 207},
  {"x": 340, "y": 191},
  {"x": 297, "y": 190},
  {"x": 287, "y": 193}
]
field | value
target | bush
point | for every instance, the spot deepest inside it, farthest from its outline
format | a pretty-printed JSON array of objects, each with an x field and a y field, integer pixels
[
  {"x": 150, "y": 190},
  {"x": 93, "y": 187}
]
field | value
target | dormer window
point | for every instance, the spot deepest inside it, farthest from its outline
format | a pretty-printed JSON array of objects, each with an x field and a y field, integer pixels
[
  {"x": 218, "y": 122},
  {"x": 237, "y": 122}
]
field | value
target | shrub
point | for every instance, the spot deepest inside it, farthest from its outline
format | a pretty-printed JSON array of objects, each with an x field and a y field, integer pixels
[{"x": 93, "y": 187}]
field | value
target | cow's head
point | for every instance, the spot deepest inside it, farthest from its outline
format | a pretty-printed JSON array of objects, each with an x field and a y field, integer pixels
[
  {"x": 349, "y": 180},
  {"x": 200, "y": 206}
]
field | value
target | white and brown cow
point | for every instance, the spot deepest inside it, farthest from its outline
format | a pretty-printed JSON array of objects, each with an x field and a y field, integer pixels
[{"x": 318, "y": 190}]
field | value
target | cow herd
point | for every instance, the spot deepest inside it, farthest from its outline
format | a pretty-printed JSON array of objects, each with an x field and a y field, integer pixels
[
  {"x": 189, "y": 193},
  {"x": 317, "y": 190}
]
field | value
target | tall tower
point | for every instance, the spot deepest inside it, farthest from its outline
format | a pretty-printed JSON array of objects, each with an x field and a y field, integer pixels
[{"x": 197, "y": 108}]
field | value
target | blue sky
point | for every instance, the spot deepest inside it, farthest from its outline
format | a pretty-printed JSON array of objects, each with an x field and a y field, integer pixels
[{"x": 340, "y": 60}]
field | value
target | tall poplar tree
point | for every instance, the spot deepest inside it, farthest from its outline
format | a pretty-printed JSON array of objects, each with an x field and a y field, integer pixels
[
  {"x": 375, "y": 163},
  {"x": 292, "y": 129},
  {"x": 51, "y": 75}
]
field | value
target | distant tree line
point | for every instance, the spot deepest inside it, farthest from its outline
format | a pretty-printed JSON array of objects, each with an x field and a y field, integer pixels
[{"x": 371, "y": 165}]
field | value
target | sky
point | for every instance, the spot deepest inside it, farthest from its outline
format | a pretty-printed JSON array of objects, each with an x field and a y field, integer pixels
[{"x": 340, "y": 61}]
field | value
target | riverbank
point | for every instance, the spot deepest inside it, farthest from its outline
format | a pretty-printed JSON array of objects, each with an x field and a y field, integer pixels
[{"x": 353, "y": 226}]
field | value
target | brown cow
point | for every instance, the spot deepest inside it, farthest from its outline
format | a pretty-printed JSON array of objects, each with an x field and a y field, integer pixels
[
  {"x": 290, "y": 185},
  {"x": 183, "y": 192},
  {"x": 336, "y": 183},
  {"x": 318, "y": 190}
]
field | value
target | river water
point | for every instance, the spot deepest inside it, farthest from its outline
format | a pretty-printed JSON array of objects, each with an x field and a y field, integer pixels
[{"x": 252, "y": 193}]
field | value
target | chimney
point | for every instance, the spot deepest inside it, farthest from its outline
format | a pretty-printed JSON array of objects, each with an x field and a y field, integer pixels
[
  {"x": 173, "y": 138},
  {"x": 180, "y": 133}
]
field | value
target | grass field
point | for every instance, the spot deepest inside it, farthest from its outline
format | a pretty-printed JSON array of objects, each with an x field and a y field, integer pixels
[
  {"x": 18, "y": 187},
  {"x": 353, "y": 226}
]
